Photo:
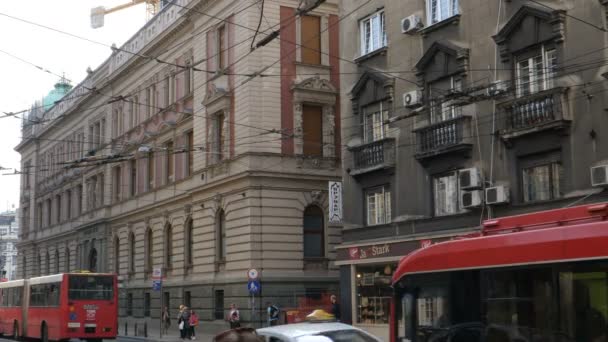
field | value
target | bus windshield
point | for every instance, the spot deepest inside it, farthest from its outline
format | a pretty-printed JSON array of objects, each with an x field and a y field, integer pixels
[
  {"x": 557, "y": 303},
  {"x": 91, "y": 287}
]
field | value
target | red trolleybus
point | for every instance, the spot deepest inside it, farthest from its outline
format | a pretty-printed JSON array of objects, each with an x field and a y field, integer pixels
[
  {"x": 528, "y": 278},
  {"x": 61, "y": 307}
]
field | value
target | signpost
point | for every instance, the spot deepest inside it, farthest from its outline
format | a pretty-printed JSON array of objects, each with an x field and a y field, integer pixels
[
  {"x": 254, "y": 287},
  {"x": 157, "y": 285}
]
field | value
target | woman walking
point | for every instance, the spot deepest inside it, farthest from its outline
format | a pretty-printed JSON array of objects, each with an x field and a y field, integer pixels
[
  {"x": 183, "y": 322},
  {"x": 193, "y": 324},
  {"x": 166, "y": 321}
]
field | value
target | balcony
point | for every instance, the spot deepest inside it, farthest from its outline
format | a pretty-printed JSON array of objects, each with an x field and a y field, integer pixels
[
  {"x": 534, "y": 113},
  {"x": 373, "y": 156},
  {"x": 449, "y": 136}
]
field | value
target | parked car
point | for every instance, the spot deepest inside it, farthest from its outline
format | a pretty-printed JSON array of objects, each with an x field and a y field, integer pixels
[{"x": 299, "y": 332}]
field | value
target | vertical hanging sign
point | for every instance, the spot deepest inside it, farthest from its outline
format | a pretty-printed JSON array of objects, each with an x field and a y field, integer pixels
[{"x": 335, "y": 202}]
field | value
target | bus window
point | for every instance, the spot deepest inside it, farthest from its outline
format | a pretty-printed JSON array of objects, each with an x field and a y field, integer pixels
[
  {"x": 91, "y": 287},
  {"x": 16, "y": 296},
  {"x": 584, "y": 305}
]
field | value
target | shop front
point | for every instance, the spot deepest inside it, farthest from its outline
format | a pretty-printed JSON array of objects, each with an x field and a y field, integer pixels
[{"x": 366, "y": 273}]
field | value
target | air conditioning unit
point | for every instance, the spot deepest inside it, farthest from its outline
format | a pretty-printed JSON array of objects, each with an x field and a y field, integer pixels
[
  {"x": 412, "y": 99},
  {"x": 469, "y": 178},
  {"x": 411, "y": 24},
  {"x": 498, "y": 88},
  {"x": 497, "y": 194},
  {"x": 471, "y": 199},
  {"x": 599, "y": 175}
]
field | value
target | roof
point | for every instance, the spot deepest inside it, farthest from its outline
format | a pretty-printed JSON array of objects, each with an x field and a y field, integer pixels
[
  {"x": 561, "y": 235},
  {"x": 302, "y": 329},
  {"x": 12, "y": 283}
]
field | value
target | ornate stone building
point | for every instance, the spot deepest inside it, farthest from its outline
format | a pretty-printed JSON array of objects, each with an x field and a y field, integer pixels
[{"x": 190, "y": 151}]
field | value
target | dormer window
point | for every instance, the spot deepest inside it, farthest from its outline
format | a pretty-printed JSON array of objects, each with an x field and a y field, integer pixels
[
  {"x": 535, "y": 71},
  {"x": 373, "y": 33}
]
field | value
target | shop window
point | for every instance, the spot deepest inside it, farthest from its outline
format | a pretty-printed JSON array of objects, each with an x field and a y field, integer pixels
[
  {"x": 311, "y": 39},
  {"x": 439, "y": 10},
  {"x": 314, "y": 233},
  {"x": 378, "y": 202},
  {"x": 372, "y": 32},
  {"x": 312, "y": 130},
  {"x": 446, "y": 194},
  {"x": 374, "y": 293}
]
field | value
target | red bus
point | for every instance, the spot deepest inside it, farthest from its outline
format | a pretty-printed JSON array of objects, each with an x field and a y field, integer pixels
[
  {"x": 60, "y": 307},
  {"x": 533, "y": 277}
]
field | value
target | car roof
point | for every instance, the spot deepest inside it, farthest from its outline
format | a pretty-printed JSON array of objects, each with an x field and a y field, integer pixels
[{"x": 303, "y": 329}]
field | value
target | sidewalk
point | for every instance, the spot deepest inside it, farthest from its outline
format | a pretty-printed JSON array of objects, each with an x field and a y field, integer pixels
[{"x": 149, "y": 330}]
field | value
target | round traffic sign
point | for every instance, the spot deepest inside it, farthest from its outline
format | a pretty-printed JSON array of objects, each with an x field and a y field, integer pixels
[{"x": 252, "y": 274}]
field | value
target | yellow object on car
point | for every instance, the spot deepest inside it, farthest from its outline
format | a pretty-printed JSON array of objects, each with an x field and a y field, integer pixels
[{"x": 320, "y": 315}]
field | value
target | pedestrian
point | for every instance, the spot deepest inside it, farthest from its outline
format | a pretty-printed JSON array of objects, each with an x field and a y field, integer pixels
[
  {"x": 335, "y": 307},
  {"x": 193, "y": 324},
  {"x": 166, "y": 321},
  {"x": 273, "y": 314},
  {"x": 234, "y": 317},
  {"x": 184, "y": 322}
]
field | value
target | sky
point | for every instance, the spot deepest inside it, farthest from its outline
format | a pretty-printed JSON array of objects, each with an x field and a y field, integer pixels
[{"x": 21, "y": 83}]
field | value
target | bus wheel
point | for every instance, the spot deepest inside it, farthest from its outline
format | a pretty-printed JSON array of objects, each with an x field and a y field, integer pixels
[
  {"x": 16, "y": 331},
  {"x": 44, "y": 333}
]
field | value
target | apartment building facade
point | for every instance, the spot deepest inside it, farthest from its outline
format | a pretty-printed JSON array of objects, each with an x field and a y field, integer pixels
[
  {"x": 188, "y": 150},
  {"x": 458, "y": 111},
  {"x": 9, "y": 232}
]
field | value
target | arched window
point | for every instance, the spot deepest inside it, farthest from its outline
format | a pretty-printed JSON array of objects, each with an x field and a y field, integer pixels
[
  {"x": 116, "y": 255},
  {"x": 149, "y": 250},
  {"x": 220, "y": 229},
  {"x": 93, "y": 260},
  {"x": 56, "y": 261},
  {"x": 67, "y": 267},
  {"x": 131, "y": 252},
  {"x": 314, "y": 233},
  {"x": 189, "y": 242},
  {"x": 47, "y": 264},
  {"x": 168, "y": 246}
]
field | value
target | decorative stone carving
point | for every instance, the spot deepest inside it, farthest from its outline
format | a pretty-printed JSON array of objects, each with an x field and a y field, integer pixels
[{"x": 316, "y": 196}]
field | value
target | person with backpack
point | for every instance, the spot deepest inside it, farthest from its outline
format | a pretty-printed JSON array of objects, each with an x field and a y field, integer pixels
[
  {"x": 273, "y": 314},
  {"x": 193, "y": 324}
]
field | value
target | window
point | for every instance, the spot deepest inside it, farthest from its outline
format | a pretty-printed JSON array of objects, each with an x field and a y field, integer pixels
[
  {"x": 149, "y": 250},
  {"x": 219, "y": 304},
  {"x": 58, "y": 208},
  {"x": 56, "y": 261},
  {"x": 188, "y": 78},
  {"x": 221, "y": 47},
  {"x": 133, "y": 177},
  {"x": 26, "y": 175},
  {"x": 150, "y": 170},
  {"x": 167, "y": 300},
  {"x": 39, "y": 215},
  {"x": 44, "y": 295},
  {"x": 314, "y": 233},
  {"x": 542, "y": 182},
  {"x": 117, "y": 186},
  {"x": 190, "y": 148},
  {"x": 219, "y": 136},
  {"x": 188, "y": 299},
  {"x": 220, "y": 228},
  {"x": 169, "y": 162},
  {"x": 148, "y": 103},
  {"x": 67, "y": 267},
  {"x": 47, "y": 264},
  {"x": 115, "y": 124},
  {"x": 48, "y": 213},
  {"x": 79, "y": 193},
  {"x": 131, "y": 253},
  {"x": 68, "y": 207},
  {"x": 129, "y": 304},
  {"x": 310, "y": 39},
  {"x": 189, "y": 242},
  {"x": 116, "y": 255},
  {"x": 442, "y": 109},
  {"x": 378, "y": 205},
  {"x": 168, "y": 246},
  {"x": 136, "y": 106},
  {"x": 373, "y": 33},
  {"x": 93, "y": 260},
  {"x": 446, "y": 194},
  {"x": 374, "y": 124},
  {"x": 312, "y": 130},
  {"x": 153, "y": 100},
  {"x": 439, "y": 10},
  {"x": 24, "y": 265},
  {"x": 147, "y": 304},
  {"x": 535, "y": 72}
]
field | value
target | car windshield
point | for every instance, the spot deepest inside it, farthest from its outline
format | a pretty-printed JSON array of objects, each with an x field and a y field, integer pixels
[
  {"x": 347, "y": 336},
  {"x": 91, "y": 287}
]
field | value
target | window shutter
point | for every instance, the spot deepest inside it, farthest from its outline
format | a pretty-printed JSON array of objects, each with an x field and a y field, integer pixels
[{"x": 311, "y": 39}]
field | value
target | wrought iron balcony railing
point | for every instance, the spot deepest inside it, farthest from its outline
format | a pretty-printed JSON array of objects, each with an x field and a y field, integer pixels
[{"x": 373, "y": 155}]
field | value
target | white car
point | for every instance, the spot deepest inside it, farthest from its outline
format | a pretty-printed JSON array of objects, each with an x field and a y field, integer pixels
[{"x": 328, "y": 332}]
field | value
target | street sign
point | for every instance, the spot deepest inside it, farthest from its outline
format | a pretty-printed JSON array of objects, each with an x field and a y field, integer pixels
[
  {"x": 157, "y": 273},
  {"x": 156, "y": 285},
  {"x": 253, "y": 274},
  {"x": 253, "y": 286}
]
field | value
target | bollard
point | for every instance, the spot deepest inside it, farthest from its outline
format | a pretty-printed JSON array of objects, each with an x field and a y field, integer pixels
[
  {"x": 126, "y": 330},
  {"x": 136, "y": 332},
  {"x": 145, "y": 329}
]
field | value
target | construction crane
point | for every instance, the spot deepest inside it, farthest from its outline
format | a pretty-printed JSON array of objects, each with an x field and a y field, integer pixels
[{"x": 152, "y": 7}]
